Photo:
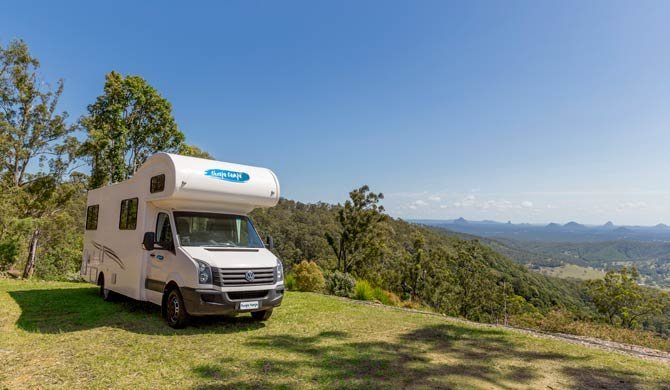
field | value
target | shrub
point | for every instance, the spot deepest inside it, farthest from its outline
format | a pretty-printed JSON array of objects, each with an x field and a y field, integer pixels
[
  {"x": 340, "y": 284},
  {"x": 393, "y": 299},
  {"x": 363, "y": 291},
  {"x": 409, "y": 305},
  {"x": 74, "y": 277},
  {"x": 308, "y": 277},
  {"x": 379, "y": 295},
  {"x": 385, "y": 297},
  {"x": 8, "y": 252},
  {"x": 289, "y": 282}
]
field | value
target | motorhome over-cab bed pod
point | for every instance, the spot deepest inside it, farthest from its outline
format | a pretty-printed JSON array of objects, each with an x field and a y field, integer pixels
[{"x": 199, "y": 184}]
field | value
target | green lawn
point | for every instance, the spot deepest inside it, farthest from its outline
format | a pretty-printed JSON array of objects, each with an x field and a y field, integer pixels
[{"x": 64, "y": 335}]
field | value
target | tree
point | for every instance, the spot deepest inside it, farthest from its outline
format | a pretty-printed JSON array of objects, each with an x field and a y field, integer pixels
[
  {"x": 127, "y": 124},
  {"x": 359, "y": 240},
  {"x": 31, "y": 131},
  {"x": 475, "y": 288},
  {"x": 414, "y": 267},
  {"x": 194, "y": 151},
  {"x": 621, "y": 299},
  {"x": 30, "y": 127}
]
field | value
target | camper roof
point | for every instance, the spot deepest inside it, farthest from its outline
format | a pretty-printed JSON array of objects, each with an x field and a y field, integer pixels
[{"x": 191, "y": 183}]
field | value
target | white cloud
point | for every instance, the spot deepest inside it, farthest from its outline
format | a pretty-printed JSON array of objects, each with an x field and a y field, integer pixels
[
  {"x": 527, "y": 204},
  {"x": 632, "y": 206},
  {"x": 418, "y": 203},
  {"x": 434, "y": 198},
  {"x": 466, "y": 201}
]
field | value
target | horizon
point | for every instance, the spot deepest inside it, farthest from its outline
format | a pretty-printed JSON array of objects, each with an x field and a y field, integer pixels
[
  {"x": 535, "y": 224},
  {"x": 509, "y": 111}
]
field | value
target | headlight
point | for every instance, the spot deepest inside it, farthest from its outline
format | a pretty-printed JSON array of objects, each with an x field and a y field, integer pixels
[
  {"x": 204, "y": 273},
  {"x": 280, "y": 271}
]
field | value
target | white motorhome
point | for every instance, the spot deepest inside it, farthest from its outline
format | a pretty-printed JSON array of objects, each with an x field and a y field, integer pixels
[{"x": 177, "y": 234}]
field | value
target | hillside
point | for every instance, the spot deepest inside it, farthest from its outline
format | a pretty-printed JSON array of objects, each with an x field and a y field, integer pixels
[
  {"x": 652, "y": 259},
  {"x": 560, "y": 258},
  {"x": 63, "y": 335},
  {"x": 299, "y": 230}
]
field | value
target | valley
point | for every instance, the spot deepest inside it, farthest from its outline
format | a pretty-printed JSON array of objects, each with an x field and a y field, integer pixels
[{"x": 573, "y": 250}]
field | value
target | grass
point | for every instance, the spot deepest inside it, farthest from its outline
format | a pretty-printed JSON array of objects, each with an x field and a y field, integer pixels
[
  {"x": 61, "y": 335},
  {"x": 573, "y": 271}
]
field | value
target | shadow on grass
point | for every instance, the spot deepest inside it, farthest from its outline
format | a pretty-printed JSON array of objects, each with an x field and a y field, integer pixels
[
  {"x": 74, "y": 309},
  {"x": 441, "y": 356}
]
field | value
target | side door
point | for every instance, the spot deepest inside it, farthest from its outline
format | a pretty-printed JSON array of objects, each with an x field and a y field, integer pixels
[{"x": 162, "y": 258}]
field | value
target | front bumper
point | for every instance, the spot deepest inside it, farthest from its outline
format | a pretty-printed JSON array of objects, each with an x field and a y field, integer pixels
[{"x": 203, "y": 302}]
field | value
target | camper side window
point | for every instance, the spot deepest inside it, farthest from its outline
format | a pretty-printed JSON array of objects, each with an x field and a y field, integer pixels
[
  {"x": 157, "y": 184},
  {"x": 164, "y": 232},
  {"x": 92, "y": 217},
  {"x": 128, "y": 215}
]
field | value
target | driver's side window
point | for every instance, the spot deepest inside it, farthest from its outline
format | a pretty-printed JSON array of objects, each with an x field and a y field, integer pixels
[{"x": 164, "y": 232}]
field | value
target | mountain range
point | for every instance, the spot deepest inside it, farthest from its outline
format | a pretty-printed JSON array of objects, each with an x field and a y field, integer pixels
[{"x": 552, "y": 232}]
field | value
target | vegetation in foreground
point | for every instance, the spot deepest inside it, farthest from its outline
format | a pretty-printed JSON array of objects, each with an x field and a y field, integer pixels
[{"x": 63, "y": 335}]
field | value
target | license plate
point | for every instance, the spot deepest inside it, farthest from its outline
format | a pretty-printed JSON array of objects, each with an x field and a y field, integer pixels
[{"x": 249, "y": 305}]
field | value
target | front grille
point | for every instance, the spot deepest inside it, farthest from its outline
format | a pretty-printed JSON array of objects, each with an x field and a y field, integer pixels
[
  {"x": 235, "y": 295},
  {"x": 236, "y": 277}
]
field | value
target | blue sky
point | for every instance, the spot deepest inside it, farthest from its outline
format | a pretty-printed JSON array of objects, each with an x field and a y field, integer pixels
[{"x": 523, "y": 111}]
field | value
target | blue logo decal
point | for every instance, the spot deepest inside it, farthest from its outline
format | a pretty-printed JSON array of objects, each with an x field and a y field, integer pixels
[{"x": 222, "y": 174}]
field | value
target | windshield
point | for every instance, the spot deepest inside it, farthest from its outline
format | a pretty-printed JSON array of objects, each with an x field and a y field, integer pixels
[{"x": 221, "y": 230}]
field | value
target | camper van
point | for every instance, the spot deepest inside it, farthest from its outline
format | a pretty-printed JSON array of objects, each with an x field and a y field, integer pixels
[{"x": 178, "y": 234}]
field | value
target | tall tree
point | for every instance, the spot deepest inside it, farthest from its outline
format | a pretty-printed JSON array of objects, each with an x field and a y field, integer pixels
[
  {"x": 359, "y": 240},
  {"x": 414, "y": 267},
  {"x": 30, "y": 127},
  {"x": 126, "y": 125},
  {"x": 36, "y": 145}
]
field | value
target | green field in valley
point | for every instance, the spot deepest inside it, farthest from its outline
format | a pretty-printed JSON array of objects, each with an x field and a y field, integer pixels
[
  {"x": 573, "y": 271},
  {"x": 62, "y": 335}
]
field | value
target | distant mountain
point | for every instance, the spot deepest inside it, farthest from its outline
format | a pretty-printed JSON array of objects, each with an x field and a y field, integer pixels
[
  {"x": 573, "y": 225},
  {"x": 554, "y": 232}
]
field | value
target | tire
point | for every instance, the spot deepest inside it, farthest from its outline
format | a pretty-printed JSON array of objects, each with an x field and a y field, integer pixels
[
  {"x": 175, "y": 310},
  {"x": 261, "y": 315},
  {"x": 105, "y": 293}
]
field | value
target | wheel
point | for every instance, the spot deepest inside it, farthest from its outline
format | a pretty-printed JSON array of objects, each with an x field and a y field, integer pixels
[
  {"x": 261, "y": 315},
  {"x": 105, "y": 293},
  {"x": 175, "y": 310}
]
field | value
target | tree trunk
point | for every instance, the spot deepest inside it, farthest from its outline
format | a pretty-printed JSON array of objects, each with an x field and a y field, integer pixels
[{"x": 32, "y": 254}]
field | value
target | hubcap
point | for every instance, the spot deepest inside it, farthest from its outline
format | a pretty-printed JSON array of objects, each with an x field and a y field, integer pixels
[{"x": 174, "y": 309}]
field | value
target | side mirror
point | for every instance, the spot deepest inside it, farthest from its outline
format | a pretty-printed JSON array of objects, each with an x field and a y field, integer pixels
[
  {"x": 270, "y": 243},
  {"x": 149, "y": 241}
]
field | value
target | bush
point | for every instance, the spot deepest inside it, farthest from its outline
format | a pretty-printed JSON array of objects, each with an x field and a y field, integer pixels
[
  {"x": 340, "y": 284},
  {"x": 308, "y": 277},
  {"x": 74, "y": 277},
  {"x": 289, "y": 282},
  {"x": 385, "y": 297},
  {"x": 363, "y": 291},
  {"x": 379, "y": 295},
  {"x": 8, "y": 252}
]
